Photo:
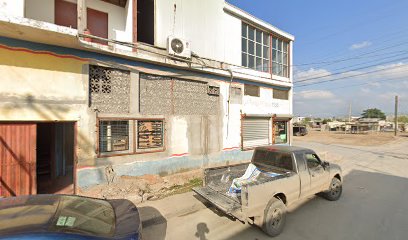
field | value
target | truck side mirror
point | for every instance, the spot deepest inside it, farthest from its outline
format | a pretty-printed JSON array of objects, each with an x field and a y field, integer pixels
[{"x": 325, "y": 164}]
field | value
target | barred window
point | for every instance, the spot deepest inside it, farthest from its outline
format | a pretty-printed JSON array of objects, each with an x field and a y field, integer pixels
[
  {"x": 281, "y": 94},
  {"x": 150, "y": 134},
  {"x": 113, "y": 136},
  {"x": 251, "y": 90},
  {"x": 280, "y": 60},
  {"x": 255, "y": 48}
]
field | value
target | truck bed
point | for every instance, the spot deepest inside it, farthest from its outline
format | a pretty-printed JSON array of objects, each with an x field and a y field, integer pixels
[{"x": 218, "y": 181}]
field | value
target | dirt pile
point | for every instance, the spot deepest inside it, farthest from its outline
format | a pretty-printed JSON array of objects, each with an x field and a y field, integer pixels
[{"x": 146, "y": 187}]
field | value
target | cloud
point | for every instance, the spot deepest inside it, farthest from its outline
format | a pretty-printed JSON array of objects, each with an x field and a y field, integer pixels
[
  {"x": 314, "y": 94},
  {"x": 374, "y": 84},
  {"x": 365, "y": 90},
  {"x": 360, "y": 45},
  {"x": 312, "y": 73}
]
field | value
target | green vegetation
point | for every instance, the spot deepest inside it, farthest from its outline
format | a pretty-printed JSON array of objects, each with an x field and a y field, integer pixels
[
  {"x": 326, "y": 120},
  {"x": 178, "y": 189},
  {"x": 373, "y": 113},
  {"x": 403, "y": 119}
]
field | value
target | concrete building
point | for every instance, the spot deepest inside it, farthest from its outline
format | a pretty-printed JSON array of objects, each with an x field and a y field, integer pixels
[{"x": 136, "y": 87}]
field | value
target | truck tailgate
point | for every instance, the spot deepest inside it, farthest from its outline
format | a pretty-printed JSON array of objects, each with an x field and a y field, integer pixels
[{"x": 219, "y": 200}]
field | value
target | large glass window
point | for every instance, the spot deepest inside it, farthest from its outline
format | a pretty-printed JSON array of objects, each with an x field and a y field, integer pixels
[
  {"x": 280, "y": 57},
  {"x": 255, "y": 48},
  {"x": 280, "y": 132}
]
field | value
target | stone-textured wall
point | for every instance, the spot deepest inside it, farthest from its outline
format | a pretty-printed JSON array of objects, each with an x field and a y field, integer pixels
[
  {"x": 163, "y": 95},
  {"x": 155, "y": 94},
  {"x": 109, "y": 89}
]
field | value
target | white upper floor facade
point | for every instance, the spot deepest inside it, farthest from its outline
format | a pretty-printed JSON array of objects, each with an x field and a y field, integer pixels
[{"x": 216, "y": 31}]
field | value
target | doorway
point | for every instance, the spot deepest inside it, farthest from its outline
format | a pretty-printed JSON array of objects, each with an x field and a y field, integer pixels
[{"x": 55, "y": 158}]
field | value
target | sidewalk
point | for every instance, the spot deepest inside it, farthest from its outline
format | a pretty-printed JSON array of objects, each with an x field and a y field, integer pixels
[{"x": 156, "y": 212}]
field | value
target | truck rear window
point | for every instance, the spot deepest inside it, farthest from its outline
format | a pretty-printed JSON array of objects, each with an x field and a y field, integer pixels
[{"x": 274, "y": 159}]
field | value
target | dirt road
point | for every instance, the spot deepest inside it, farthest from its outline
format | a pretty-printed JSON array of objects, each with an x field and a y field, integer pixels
[{"x": 373, "y": 205}]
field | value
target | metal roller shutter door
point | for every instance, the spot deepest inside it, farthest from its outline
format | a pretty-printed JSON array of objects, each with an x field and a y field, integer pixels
[{"x": 255, "y": 132}]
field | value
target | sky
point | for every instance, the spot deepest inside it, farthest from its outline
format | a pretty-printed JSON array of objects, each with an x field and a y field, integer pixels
[{"x": 348, "y": 52}]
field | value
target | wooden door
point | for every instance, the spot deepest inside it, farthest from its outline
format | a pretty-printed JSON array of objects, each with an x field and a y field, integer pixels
[
  {"x": 66, "y": 14},
  {"x": 17, "y": 159},
  {"x": 97, "y": 22}
]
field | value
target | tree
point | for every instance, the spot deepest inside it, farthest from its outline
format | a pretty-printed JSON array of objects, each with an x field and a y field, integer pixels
[
  {"x": 373, "y": 113},
  {"x": 403, "y": 119},
  {"x": 326, "y": 120}
]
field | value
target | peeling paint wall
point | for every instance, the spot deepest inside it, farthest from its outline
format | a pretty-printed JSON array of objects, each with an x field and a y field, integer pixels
[{"x": 40, "y": 87}]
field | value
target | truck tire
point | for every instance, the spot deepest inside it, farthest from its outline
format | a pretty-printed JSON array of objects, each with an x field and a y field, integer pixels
[
  {"x": 275, "y": 217},
  {"x": 334, "y": 193}
]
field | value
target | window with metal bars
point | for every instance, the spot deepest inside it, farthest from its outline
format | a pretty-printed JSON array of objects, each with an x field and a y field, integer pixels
[
  {"x": 150, "y": 134},
  {"x": 113, "y": 136}
]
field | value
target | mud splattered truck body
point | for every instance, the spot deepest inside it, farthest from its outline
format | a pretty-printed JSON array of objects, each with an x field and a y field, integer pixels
[{"x": 285, "y": 174}]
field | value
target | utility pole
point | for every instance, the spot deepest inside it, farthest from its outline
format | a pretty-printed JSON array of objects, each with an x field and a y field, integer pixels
[
  {"x": 396, "y": 116},
  {"x": 350, "y": 113}
]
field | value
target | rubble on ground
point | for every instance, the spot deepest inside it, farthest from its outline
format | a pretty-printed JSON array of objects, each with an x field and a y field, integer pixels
[{"x": 142, "y": 188}]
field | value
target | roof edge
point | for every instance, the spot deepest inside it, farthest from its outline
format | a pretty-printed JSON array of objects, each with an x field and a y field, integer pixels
[{"x": 247, "y": 16}]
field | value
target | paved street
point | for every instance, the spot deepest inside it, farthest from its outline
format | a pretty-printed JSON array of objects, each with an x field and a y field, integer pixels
[{"x": 373, "y": 205}]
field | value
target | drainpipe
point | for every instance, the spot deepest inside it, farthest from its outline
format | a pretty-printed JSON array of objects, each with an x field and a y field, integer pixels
[{"x": 229, "y": 98}]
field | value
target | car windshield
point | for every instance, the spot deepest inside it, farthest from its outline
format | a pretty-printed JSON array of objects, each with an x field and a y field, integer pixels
[
  {"x": 281, "y": 160},
  {"x": 83, "y": 215}
]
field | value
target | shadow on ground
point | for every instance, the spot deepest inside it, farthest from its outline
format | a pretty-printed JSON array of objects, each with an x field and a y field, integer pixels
[
  {"x": 153, "y": 222},
  {"x": 373, "y": 206}
]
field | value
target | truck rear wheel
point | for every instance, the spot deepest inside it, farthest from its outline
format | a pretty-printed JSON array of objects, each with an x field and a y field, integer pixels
[{"x": 275, "y": 218}]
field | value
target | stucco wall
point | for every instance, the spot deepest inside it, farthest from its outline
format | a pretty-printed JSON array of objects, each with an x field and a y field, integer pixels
[
  {"x": 266, "y": 104},
  {"x": 41, "y": 87},
  {"x": 200, "y": 22},
  {"x": 12, "y": 8},
  {"x": 119, "y": 21}
]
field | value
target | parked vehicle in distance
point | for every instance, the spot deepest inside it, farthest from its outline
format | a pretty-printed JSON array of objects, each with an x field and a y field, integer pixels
[
  {"x": 283, "y": 175},
  {"x": 299, "y": 130},
  {"x": 68, "y": 217}
]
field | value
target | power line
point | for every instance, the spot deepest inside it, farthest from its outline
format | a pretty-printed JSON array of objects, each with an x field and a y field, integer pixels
[
  {"x": 318, "y": 75},
  {"x": 347, "y": 59},
  {"x": 361, "y": 74},
  {"x": 327, "y": 63},
  {"x": 380, "y": 37},
  {"x": 362, "y": 84},
  {"x": 355, "y": 69}
]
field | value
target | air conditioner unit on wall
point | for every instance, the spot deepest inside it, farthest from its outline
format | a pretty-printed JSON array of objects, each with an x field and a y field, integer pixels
[{"x": 178, "y": 47}]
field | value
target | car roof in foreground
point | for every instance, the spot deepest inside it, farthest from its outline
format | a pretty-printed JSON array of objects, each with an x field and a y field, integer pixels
[
  {"x": 56, "y": 214},
  {"x": 283, "y": 148}
]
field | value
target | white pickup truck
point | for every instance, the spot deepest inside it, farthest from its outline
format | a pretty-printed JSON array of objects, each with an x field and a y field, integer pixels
[{"x": 284, "y": 175}]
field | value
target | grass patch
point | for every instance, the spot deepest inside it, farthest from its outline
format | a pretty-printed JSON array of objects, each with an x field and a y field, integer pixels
[{"x": 178, "y": 189}]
